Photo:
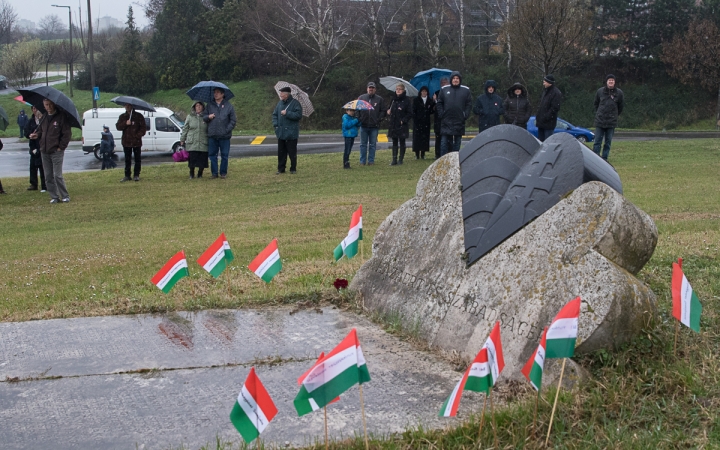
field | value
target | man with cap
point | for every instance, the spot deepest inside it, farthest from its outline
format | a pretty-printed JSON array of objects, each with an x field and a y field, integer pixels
[
  {"x": 286, "y": 120},
  {"x": 22, "y": 120},
  {"x": 453, "y": 106},
  {"x": 546, "y": 118},
  {"x": 609, "y": 104},
  {"x": 369, "y": 124}
]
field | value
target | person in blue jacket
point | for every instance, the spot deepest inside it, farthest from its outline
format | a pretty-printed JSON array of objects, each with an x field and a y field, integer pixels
[
  {"x": 488, "y": 107},
  {"x": 350, "y": 126}
]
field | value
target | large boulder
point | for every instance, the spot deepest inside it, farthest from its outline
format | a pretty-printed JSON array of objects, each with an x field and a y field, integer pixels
[{"x": 590, "y": 244}]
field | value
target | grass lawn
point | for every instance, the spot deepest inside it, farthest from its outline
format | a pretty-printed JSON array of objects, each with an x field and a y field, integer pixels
[{"x": 97, "y": 254}]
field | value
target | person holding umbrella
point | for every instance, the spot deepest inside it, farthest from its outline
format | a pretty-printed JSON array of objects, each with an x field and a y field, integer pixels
[
  {"x": 369, "y": 124},
  {"x": 53, "y": 136},
  {"x": 286, "y": 121},
  {"x": 35, "y": 157},
  {"x": 400, "y": 113},
  {"x": 220, "y": 117},
  {"x": 132, "y": 125}
]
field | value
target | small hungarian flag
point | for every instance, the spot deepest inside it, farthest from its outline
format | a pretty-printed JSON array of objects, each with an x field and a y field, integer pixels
[
  {"x": 314, "y": 405},
  {"x": 359, "y": 214},
  {"x": 214, "y": 260},
  {"x": 562, "y": 333},
  {"x": 475, "y": 379},
  {"x": 533, "y": 369},
  {"x": 172, "y": 272},
  {"x": 686, "y": 304},
  {"x": 267, "y": 264},
  {"x": 338, "y": 252},
  {"x": 349, "y": 245},
  {"x": 496, "y": 362},
  {"x": 253, "y": 410},
  {"x": 340, "y": 370}
]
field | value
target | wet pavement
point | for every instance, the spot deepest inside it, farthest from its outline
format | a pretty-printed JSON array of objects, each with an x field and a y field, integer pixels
[{"x": 163, "y": 381}]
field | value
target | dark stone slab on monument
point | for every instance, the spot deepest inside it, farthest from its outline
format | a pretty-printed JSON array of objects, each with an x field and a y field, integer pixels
[{"x": 509, "y": 178}]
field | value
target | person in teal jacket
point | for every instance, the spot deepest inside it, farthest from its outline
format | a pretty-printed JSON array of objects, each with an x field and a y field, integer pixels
[
  {"x": 350, "y": 126},
  {"x": 286, "y": 120}
]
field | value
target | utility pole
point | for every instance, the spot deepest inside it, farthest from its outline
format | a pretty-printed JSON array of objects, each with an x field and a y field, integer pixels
[
  {"x": 72, "y": 55},
  {"x": 92, "y": 59}
]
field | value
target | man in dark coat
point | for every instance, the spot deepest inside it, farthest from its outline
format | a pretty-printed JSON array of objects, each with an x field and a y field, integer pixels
[
  {"x": 609, "y": 104},
  {"x": 453, "y": 106},
  {"x": 133, "y": 127},
  {"x": 53, "y": 136},
  {"x": 517, "y": 106},
  {"x": 400, "y": 113},
  {"x": 423, "y": 108},
  {"x": 221, "y": 119},
  {"x": 546, "y": 118},
  {"x": 444, "y": 81},
  {"x": 370, "y": 124},
  {"x": 286, "y": 120},
  {"x": 488, "y": 107},
  {"x": 22, "y": 120},
  {"x": 35, "y": 158}
]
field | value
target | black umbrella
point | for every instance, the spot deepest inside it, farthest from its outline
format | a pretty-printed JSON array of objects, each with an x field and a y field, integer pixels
[
  {"x": 135, "y": 102},
  {"x": 36, "y": 95}
]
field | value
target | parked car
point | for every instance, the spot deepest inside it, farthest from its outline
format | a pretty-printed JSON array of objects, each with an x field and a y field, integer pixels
[
  {"x": 163, "y": 130},
  {"x": 581, "y": 134}
]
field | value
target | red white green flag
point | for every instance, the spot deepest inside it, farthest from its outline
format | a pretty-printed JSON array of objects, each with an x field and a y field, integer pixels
[
  {"x": 172, "y": 272},
  {"x": 533, "y": 369},
  {"x": 214, "y": 260},
  {"x": 562, "y": 332},
  {"x": 496, "y": 361},
  {"x": 349, "y": 246},
  {"x": 254, "y": 409},
  {"x": 686, "y": 304},
  {"x": 267, "y": 264},
  {"x": 340, "y": 370},
  {"x": 475, "y": 379},
  {"x": 314, "y": 405}
]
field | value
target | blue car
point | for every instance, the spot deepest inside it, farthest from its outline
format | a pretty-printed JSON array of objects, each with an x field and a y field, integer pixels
[{"x": 581, "y": 134}]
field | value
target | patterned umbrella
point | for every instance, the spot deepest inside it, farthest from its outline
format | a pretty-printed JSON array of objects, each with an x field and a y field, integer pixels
[
  {"x": 299, "y": 95},
  {"x": 359, "y": 105}
]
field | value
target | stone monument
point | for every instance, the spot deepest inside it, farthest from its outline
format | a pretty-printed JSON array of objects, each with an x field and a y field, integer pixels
[{"x": 589, "y": 244}]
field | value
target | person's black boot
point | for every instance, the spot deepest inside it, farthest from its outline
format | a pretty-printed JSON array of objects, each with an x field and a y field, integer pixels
[
  {"x": 200, "y": 171},
  {"x": 394, "y": 156},
  {"x": 402, "y": 155},
  {"x": 192, "y": 173},
  {"x": 422, "y": 155}
]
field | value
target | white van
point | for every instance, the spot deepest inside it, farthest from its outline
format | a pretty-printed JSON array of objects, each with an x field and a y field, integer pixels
[{"x": 163, "y": 130}]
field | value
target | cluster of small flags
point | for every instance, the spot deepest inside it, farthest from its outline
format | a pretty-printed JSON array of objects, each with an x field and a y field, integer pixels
[
  {"x": 266, "y": 265},
  {"x": 321, "y": 385}
]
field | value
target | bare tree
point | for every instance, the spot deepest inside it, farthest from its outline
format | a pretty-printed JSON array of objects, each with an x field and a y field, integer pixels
[
  {"x": 379, "y": 17},
  {"x": 48, "y": 53},
  {"x": 64, "y": 54},
  {"x": 695, "y": 57},
  {"x": 8, "y": 21},
  {"x": 310, "y": 33},
  {"x": 21, "y": 61},
  {"x": 432, "y": 17},
  {"x": 50, "y": 27},
  {"x": 501, "y": 12},
  {"x": 549, "y": 35}
]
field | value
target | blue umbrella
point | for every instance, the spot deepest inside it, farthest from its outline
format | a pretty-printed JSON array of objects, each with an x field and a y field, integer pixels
[
  {"x": 430, "y": 78},
  {"x": 203, "y": 91}
]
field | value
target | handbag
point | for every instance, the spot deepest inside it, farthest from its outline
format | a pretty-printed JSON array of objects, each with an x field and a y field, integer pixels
[{"x": 181, "y": 155}]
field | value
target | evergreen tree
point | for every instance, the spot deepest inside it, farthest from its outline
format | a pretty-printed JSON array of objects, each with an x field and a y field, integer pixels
[{"x": 134, "y": 74}]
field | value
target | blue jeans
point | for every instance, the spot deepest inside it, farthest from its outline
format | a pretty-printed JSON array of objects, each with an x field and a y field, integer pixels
[
  {"x": 544, "y": 133},
  {"x": 599, "y": 134},
  {"x": 449, "y": 140},
  {"x": 349, "y": 141},
  {"x": 368, "y": 134},
  {"x": 216, "y": 145}
]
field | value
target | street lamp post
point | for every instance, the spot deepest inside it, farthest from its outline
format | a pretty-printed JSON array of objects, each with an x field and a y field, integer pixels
[
  {"x": 71, "y": 50},
  {"x": 92, "y": 59}
]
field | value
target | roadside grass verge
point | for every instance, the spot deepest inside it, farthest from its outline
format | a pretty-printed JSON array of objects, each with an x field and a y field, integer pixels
[{"x": 96, "y": 256}]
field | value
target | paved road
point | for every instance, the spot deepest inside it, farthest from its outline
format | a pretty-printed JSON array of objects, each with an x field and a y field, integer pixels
[{"x": 14, "y": 158}]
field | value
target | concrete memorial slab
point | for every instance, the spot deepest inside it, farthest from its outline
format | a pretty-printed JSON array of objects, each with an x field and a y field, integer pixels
[
  {"x": 590, "y": 244},
  {"x": 162, "y": 381}
]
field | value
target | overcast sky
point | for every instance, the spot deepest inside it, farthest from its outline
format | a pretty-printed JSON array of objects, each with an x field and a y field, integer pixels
[{"x": 35, "y": 9}]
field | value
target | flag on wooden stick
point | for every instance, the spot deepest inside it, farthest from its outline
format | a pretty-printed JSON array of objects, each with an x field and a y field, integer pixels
[
  {"x": 254, "y": 409},
  {"x": 267, "y": 264},
  {"x": 214, "y": 260},
  {"x": 686, "y": 304},
  {"x": 562, "y": 332},
  {"x": 173, "y": 271},
  {"x": 533, "y": 369}
]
